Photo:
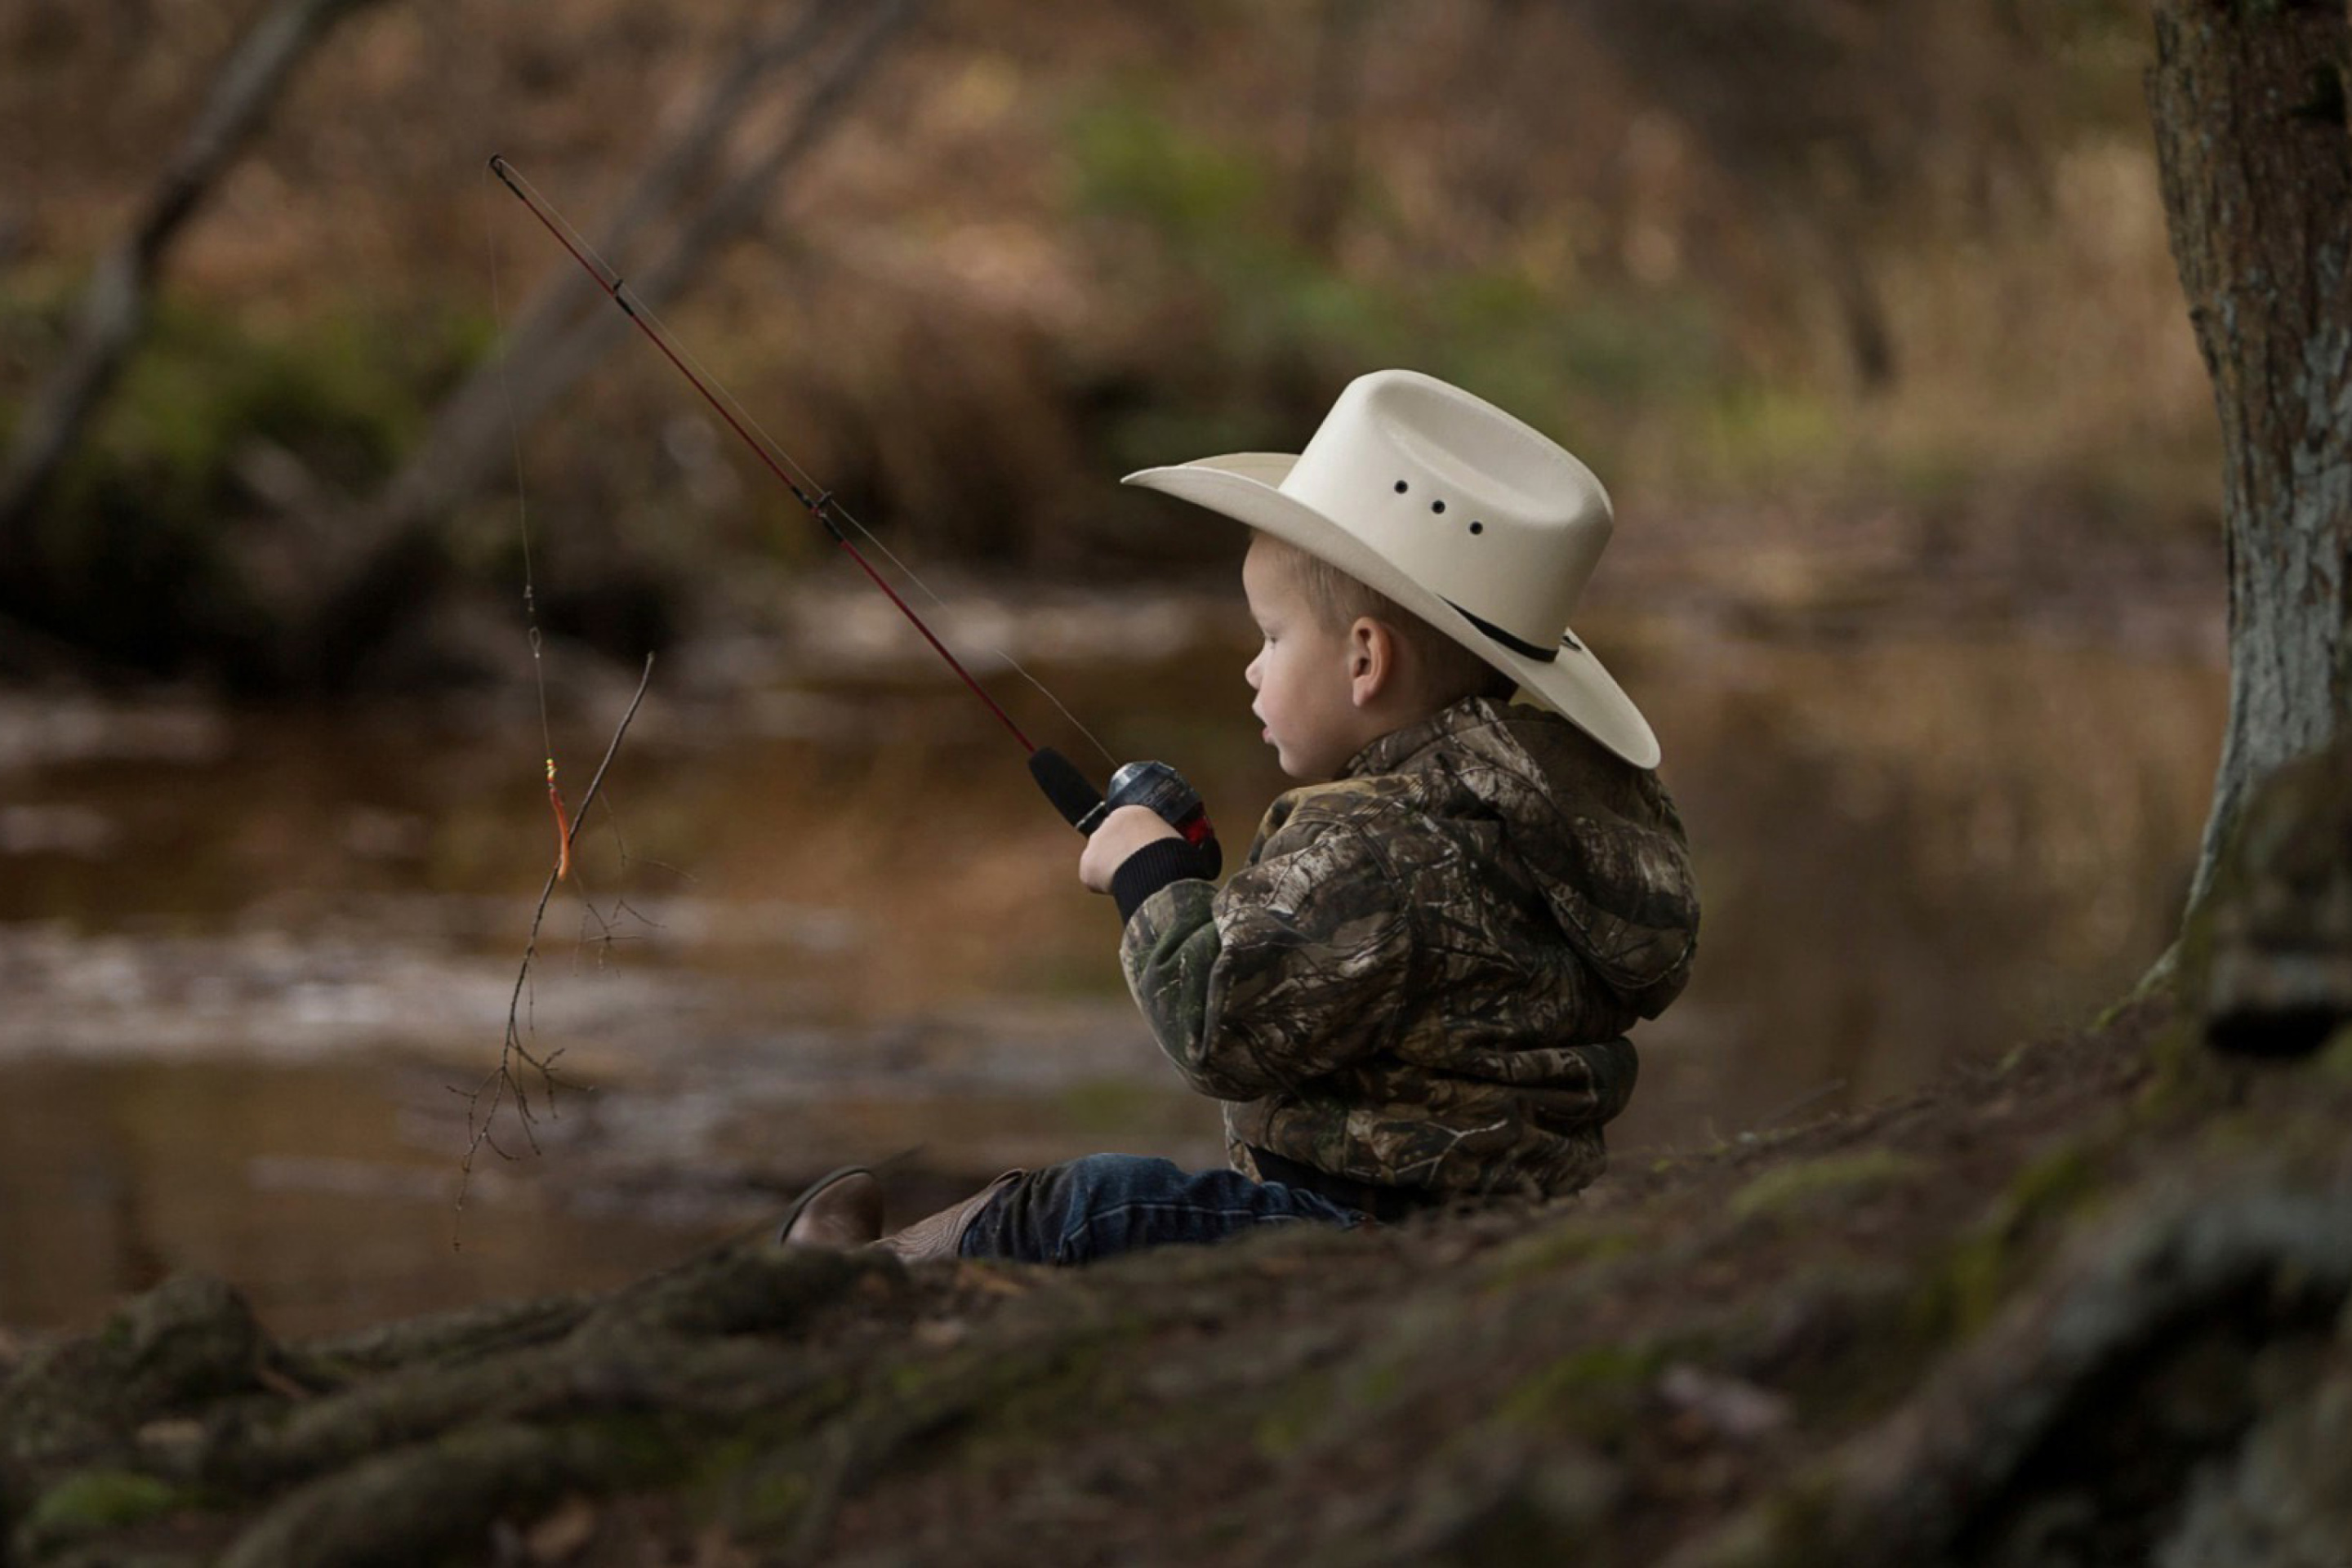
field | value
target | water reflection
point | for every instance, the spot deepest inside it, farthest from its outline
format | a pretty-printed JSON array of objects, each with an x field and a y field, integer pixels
[
  {"x": 299, "y": 1183},
  {"x": 1916, "y": 855},
  {"x": 248, "y": 959}
]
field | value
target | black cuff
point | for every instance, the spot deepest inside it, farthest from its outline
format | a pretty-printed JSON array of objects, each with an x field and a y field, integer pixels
[{"x": 1157, "y": 863}]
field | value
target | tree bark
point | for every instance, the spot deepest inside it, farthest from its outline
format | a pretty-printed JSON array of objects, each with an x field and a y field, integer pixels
[
  {"x": 2248, "y": 97},
  {"x": 114, "y": 310}
]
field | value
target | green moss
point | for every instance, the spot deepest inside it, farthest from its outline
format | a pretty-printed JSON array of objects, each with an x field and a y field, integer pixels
[
  {"x": 1303, "y": 1409},
  {"x": 2334, "y": 1062},
  {"x": 134, "y": 556},
  {"x": 2183, "y": 1075},
  {"x": 1789, "y": 1189},
  {"x": 1791, "y": 1529},
  {"x": 345, "y": 388},
  {"x": 772, "y": 1502},
  {"x": 1378, "y": 1386},
  {"x": 756, "y": 1479},
  {"x": 2177, "y": 1054},
  {"x": 91, "y": 1502},
  {"x": 1978, "y": 1273},
  {"x": 1556, "y": 1250},
  {"x": 641, "y": 1448},
  {"x": 1037, "y": 1397},
  {"x": 908, "y": 1380},
  {"x": 1594, "y": 1390},
  {"x": 2051, "y": 1184}
]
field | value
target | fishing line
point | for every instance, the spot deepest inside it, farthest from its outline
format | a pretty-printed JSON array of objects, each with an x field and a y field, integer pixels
[
  {"x": 846, "y": 515},
  {"x": 529, "y": 582},
  {"x": 567, "y": 826},
  {"x": 822, "y": 505}
]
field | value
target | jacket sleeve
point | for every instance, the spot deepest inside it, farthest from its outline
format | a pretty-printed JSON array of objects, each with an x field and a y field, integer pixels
[{"x": 1294, "y": 968}]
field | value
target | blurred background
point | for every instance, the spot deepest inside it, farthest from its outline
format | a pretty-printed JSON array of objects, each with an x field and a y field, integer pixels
[{"x": 340, "y": 475}]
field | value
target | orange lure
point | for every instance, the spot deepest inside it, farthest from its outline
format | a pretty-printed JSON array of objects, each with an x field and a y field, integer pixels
[{"x": 563, "y": 825}]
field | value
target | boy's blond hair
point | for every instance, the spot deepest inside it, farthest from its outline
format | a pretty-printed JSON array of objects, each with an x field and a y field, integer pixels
[{"x": 1449, "y": 672}]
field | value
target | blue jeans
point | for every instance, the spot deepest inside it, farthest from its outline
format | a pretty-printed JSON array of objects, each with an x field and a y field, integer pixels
[{"x": 1084, "y": 1210}]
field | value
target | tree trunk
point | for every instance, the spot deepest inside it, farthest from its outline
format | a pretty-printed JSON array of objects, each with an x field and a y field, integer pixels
[
  {"x": 2248, "y": 97},
  {"x": 389, "y": 548},
  {"x": 549, "y": 349},
  {"x": 114, "y": 310}
]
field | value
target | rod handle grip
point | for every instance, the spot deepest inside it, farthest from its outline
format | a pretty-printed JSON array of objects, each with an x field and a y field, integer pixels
[{"x": 1080, "y": 804}]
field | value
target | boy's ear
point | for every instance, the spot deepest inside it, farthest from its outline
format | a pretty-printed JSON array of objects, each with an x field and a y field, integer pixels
[{"x": 1372, "y": 661}]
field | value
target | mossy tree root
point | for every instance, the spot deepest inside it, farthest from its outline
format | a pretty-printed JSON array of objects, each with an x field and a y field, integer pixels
[
  {"x": 2082, "y": 1410},
  {"x": 456, "y": 1421}
]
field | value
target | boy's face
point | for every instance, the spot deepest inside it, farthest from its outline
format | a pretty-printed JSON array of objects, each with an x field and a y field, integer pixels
[{"x": 1300, "y": 673}]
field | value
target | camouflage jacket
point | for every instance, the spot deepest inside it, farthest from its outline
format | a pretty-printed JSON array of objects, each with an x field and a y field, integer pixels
[{"x": 1422, "y": 974}]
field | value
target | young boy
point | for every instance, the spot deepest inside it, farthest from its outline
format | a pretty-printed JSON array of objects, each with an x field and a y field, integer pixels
[{"x": 1415, "y": 989}]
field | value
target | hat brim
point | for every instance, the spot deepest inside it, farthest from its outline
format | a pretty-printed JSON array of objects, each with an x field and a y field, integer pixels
[{"x": 1244, "y": 486}]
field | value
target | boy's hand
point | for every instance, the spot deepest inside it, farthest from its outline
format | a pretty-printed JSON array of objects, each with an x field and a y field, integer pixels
[{"x": 1122, "y": 833}]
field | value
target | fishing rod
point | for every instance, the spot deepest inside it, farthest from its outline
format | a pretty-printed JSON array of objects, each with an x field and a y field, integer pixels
[{"x": 1147, "y": 783}]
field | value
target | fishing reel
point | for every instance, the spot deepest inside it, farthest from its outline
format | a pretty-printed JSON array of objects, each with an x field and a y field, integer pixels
[{"x": 1165, "y": 791}]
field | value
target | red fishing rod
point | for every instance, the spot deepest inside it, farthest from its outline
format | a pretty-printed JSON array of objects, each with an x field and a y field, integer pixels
[{"x": 1153, "y": 784}]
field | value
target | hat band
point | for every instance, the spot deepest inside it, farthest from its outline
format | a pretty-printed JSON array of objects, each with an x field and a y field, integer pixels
[{"x": 1524, "y": 649}]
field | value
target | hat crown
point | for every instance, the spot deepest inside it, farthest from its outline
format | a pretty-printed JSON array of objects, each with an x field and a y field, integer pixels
[{"x": 1469, "y": 502}]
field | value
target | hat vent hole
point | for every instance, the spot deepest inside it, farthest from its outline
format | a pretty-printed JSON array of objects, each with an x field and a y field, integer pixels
[
  {"x": 1400, "y": 486},
  {"x": 1437, "y": 506},
  {"x": 1478, "y": 528}
]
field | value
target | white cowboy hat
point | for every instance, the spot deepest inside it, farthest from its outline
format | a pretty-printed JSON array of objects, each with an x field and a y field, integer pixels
[{"x": 1482, "y": 526}]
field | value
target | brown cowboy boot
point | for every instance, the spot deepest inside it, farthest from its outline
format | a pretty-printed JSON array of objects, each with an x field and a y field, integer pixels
[
  {"x": 942, "y": 1235},
  {"x": 842, "y": 1210}
]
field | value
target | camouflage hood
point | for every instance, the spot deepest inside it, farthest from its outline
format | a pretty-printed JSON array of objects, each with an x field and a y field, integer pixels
[
  {"x": 1598, "y": 839},
  {"x": 1422, "y": 973}
]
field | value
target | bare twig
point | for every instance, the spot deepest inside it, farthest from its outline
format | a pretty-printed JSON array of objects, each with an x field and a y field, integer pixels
[{"x": 508, "y": 1083}]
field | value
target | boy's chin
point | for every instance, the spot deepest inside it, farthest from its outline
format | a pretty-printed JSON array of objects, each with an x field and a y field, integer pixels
[
  {"x": 1303, "y": 772},
  {"x": 1298, "y": 765}
]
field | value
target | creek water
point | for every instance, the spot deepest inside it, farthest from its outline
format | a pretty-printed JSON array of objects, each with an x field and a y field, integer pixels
[{"x": 253, "y": 965}]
